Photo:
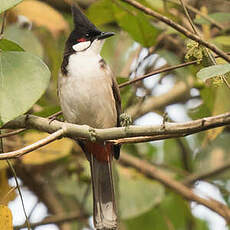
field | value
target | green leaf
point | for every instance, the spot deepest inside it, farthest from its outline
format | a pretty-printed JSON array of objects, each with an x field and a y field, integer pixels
[
  {"x": 104, "y": 12},
  {"x": 213, "y": 71},
  {"x": 7, "y": 45},
  {"x": 218, "y": 17},
  {"x": 23, "y": 80},
  {"x": 6, "y": 4},
  {"x": 149, "y": 220},
  {"x": 223, "y": 40},
  {"x": 172, "y": 213},
  {"x": 24, "y": 38},
  {"x": 172, "y": 153},
  {"x": 131, "y": 185},
  {"x": 136, "y": 23}
]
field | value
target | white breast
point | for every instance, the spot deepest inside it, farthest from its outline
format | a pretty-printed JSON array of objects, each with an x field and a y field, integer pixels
[{"x": 86, "y": 95}]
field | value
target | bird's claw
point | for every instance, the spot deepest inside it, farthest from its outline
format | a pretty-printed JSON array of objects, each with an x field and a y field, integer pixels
[
  {"x": 125, "y": 120},
  {"x": 92, "y": 134}
]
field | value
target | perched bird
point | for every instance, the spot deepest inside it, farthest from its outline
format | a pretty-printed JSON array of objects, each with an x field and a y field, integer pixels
[{"x": 89, "y": 95}]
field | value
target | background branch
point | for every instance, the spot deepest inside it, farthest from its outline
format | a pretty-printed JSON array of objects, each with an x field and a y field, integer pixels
[
  {"x": 154, "y": 173},
  {"x": 178, "y": 28}
]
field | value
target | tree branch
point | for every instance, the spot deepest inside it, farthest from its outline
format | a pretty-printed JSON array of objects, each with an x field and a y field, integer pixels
[
  {"x": 178, "y": 27},
  {"x": 157, "y": 71},
  {"x": 179, "y": 92},
  {"x": 192, "y": 178},
  {"x": 61, "y": 129},
  {"x": 153, "y": 173},
  {"x": 30, "y": 148},
  {"x": 194, "y": 10}
]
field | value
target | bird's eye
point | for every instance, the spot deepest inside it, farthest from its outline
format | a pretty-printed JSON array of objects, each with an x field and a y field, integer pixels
[{"x": 87, "y": 35}]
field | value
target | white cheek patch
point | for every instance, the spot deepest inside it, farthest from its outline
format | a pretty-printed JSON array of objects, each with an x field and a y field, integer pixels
[{"x": 81, "y": 46}]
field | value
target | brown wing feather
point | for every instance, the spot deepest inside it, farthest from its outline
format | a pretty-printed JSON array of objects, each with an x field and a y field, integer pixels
[{"x": 117, "y": 97}]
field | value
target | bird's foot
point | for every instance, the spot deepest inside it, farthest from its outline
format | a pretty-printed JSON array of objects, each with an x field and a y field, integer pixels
[{"x": 125, "y": 120}]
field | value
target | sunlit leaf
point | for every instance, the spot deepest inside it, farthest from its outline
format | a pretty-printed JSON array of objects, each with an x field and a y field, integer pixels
[
  {"x": 104, "y": 12},
  {"x": 6, "y": 194},
  {"x": 6, "y": 220},
  {"x": 213, "y": 71},
  {"x": 49, "y": 153},
  {"x": 222, "y": 92},
  {"x": 42, "y": 14},
  {"x": 24, "y": 78},
  {"x": 136, "y": 24},
  {"x": 7, "y": 45},
  {"x": 223, "y": 40},
  {"x": 6, "y": 4}
]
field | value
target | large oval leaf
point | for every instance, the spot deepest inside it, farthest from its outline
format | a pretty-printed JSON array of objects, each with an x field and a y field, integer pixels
[
  {"x": 212, "y": 71},
  {"x": 137, "y": 193},
  {"x": 6, "y": 4},
  {"x": 24, "y": 38},
  {"x": 23, "y": 80}
]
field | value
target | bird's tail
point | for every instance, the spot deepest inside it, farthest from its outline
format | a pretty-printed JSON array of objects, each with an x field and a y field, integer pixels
[{"x": 104, "y": 205}]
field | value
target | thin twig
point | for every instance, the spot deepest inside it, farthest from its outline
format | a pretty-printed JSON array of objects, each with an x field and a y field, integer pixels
[
  {"x": 157, "y": 71},
  {"x": 194, "y": 10},
  {"x": 20, "y": 193},
  {"x": 11, "y": 133},
  {"x": 205, "y": 175},
  {"x": 3, "y": 24},
  {"x": 16, "y": 181},
  {"x": 130, "y": 140},
  {"x": 178, "y": 27},
  {"x": 57, "y": 219},
  {"x": 189, "y": 18},
  {"x": 5, "y": 197},
  {"x": 32, "y": 147}
]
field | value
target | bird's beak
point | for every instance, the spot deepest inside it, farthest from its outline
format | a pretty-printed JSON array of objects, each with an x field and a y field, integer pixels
[{"x": 104, "y": 35}]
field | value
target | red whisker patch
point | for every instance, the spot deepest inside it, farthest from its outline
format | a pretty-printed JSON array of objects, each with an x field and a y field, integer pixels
[{"x": 81, "y": 40}]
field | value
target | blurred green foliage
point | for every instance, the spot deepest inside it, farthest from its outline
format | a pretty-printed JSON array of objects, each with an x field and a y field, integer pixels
[{"x": 141, "y": 45}]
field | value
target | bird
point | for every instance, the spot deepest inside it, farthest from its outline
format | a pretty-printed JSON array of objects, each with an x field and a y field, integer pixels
[{"x": 89, "y": 95}]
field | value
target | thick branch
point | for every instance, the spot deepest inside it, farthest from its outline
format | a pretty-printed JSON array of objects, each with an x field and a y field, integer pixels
[
  {"x": 153, "y": 173},
  {"x": 60, "y": 129},
  {"x": 178, "y": 28}
]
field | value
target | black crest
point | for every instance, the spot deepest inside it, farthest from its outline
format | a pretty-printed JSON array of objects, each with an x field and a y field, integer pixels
[{"x": 81, "y": 22}]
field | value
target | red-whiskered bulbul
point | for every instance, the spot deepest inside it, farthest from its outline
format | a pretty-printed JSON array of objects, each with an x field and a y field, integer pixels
[{"x": 89, "y": 95}]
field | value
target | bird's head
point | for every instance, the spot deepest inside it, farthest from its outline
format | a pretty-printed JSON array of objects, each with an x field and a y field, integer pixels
[{"x": 85, "y": 33}]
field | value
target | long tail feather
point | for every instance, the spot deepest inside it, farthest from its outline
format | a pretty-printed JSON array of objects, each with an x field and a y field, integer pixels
[{"x": 105, "y": 212}]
